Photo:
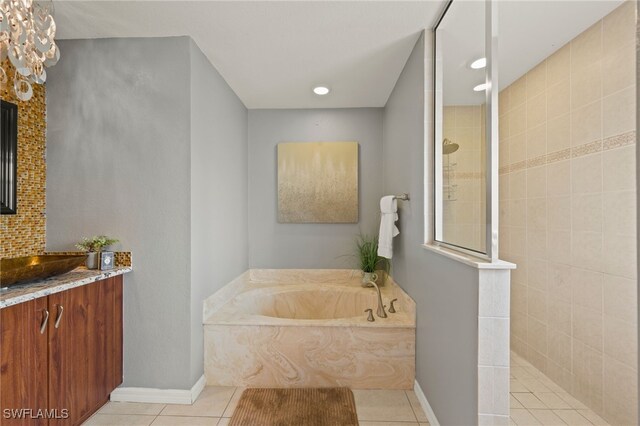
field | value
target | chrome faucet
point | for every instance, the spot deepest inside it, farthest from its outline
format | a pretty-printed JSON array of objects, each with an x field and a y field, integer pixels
[{"x": 380, "y": 312}]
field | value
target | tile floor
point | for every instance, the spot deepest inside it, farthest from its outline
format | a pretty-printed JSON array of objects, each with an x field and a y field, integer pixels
[
  {"x": 536, "y": 400},
  {"x": 216, "y": 404}
]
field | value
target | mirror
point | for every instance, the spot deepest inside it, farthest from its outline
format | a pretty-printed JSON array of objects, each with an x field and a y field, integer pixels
[
  {"x": 460, "y": 127},
  {"x": 8, "y": 157}
]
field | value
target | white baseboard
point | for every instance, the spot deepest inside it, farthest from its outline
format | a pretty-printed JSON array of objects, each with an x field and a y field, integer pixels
[
  {"x": 159, "y": 396},
  {"x": 428, "y": 411}
]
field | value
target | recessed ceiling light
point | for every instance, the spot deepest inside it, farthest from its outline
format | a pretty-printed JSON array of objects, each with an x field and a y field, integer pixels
[
  {"x": 479, "y": 63},
  {"x": 480, "y": 87},
  {"x": 321, "y": 90}
]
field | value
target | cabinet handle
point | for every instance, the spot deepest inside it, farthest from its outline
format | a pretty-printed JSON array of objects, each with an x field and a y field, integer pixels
[
  {"x": 43, "y": 326},
  {"x": 60, "y": 312}
]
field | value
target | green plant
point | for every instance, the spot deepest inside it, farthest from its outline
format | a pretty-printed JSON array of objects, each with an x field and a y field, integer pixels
[
  {"x": 368, "y": 255},
  {"x": 96, "y": 243}
]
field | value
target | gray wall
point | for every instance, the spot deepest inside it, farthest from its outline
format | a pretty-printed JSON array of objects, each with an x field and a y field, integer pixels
[
  {"x": 122, "y": 137},
  {"x": 219, "y": 158},
  {"x": 279, "y": 245},
  {"x": 445, "y": 291}
]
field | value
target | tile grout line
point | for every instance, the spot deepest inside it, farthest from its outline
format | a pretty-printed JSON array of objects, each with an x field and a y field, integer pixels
[{"x": 411, "y": 405}]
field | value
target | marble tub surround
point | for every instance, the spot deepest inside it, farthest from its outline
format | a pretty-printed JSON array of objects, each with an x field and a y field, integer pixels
[
  {"x": 295, "y": 328},
  {"x": 40, "y": 288},
  {"x": 317, "y": 296}
]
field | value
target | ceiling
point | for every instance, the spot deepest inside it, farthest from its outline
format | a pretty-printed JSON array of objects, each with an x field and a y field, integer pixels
[
  {"x": 272, "y": 53},
  {"x": 529, "y": 31}
]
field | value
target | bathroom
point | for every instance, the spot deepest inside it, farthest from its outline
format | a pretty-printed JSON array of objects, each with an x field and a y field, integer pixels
[{"x": 515, "y": 266}]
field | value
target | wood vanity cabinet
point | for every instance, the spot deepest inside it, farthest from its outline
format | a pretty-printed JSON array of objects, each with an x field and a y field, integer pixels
[{"x": 74, "y": 364}]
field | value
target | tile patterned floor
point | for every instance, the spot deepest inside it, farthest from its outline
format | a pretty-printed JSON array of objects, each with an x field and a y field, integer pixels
[
  {"x": 215, "y": 406},
  {"x": 536, "y": 400}
]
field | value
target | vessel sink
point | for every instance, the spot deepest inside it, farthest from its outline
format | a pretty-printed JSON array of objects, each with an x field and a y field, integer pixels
[{"x": 22, "y": 269}]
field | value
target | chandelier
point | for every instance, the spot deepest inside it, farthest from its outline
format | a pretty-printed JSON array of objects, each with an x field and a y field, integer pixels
[{"x": 27, "y": 32}]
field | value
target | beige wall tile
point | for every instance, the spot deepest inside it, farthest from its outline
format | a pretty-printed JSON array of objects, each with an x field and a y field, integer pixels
[
  {"x": 619, "y": 26},
  {"x": 559, "y": 316},
  {"x": 558, "y": 99},
  {"x": 537, "y": 80},
  {"x": 558, "y": 65},
  {"x": 587, "y": 174},
  {"x": 559, "y": 133},
  {"x": 537, "y": 243},
  {"x": 586, "y": 212},
  {"x": 537, "y": 334},
  {"x": 619, "y": 255},
  {"x": 618, "y": 112},
  {"x": 587, "y": 47},
  {"x": 536, "y": 110},
  {"x": 518, "y": 120},
  {"x": 621, "y": 341},
  {"x": 586, "y": 123},
  {"x": 618, "y": 68},
  {"x": 537, "y": 213},
  {"x": 559, "y": 178},
  {"x": 537, "y": 141},
  {"x": 519, "y": 242},
  {"x": 518, "y": 212},
  {"x": 518, "y": 183},
  {"x": 503, "y": 126},
  {"x": 574, "y": 295},
  {"x": 586, "y": 84},
  {"x": 519, "y": 298},
  {"x": 504, "y": 104},
  {"x": 586, "y": 250},
  {"x": 536, "y": 182},
  {"x": 619, "y": 169},
  {"x": 537, "y": 304},
  {"x": 619, "y": 212},
  {"x": 559, "y": 349},
  {"x": 518, "y": 93},
  {"x": 558, "y": 217},
  {"x": 560, "y": 246},
  {"x": 620, "y": 392},
  {"x": 559, "y": 282},
  {"x": 620, "y": 298},
  {"x": 538, "y": 274},
  {"x": 518, "y": 148},
  {"x": 587, "y": 371},
  {"x": 587, "y": 327},
  {"x": 587, "y": 288}
]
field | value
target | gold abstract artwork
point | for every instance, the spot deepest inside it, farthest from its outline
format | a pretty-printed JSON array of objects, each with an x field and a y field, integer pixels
[{"x": 318, "y": 182}]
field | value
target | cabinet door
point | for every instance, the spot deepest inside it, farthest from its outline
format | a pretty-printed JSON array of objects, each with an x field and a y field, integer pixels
[
  {"x": 117, "y": 345},
  {"x": 23, "y": 361},
  {"x": 81, "y": 349}
]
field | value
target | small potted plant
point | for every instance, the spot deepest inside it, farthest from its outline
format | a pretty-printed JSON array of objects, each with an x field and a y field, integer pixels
[
  {"x": 93, "y": 246},
  {"x": 369, "y": 260}
]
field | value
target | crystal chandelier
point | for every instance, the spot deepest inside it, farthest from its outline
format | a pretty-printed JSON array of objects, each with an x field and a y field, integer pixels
[{"x": 27, "y": 32}]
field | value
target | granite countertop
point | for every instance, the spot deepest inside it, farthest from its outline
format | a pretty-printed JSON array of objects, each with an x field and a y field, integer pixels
[{"x": 40, "y": 288}]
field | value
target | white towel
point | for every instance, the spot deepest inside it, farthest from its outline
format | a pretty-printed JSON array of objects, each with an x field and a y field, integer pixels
[{"x": 388, "y": 229}]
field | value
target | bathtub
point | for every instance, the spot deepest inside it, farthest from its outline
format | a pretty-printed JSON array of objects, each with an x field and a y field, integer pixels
[{"x": 307, "y": 328}]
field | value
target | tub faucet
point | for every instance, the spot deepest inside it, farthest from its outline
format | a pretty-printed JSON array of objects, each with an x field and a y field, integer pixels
[{"x": 380, "y": 312}]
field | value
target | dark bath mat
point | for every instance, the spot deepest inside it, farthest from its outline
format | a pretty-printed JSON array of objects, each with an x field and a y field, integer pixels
[{"x": 295, "y": 407}]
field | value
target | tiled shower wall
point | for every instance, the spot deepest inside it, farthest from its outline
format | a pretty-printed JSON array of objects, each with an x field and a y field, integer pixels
[
  {"x": 567, "y": 215},
  {"x": 464, "y": 177}
]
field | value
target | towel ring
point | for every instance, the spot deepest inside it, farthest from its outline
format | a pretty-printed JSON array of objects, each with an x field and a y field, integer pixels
[{"x": 403, "y": 197}]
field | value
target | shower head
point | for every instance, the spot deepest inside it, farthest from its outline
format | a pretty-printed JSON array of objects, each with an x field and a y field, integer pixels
[{"x": 449, "y": 147}]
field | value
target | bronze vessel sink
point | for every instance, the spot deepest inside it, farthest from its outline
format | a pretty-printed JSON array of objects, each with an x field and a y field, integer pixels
[{"x": 22, "y": 269}]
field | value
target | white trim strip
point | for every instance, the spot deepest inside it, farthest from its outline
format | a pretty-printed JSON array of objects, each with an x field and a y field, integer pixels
[
  {"x": 159, "y": 396},
  {"x": 428, "y": 411}
]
